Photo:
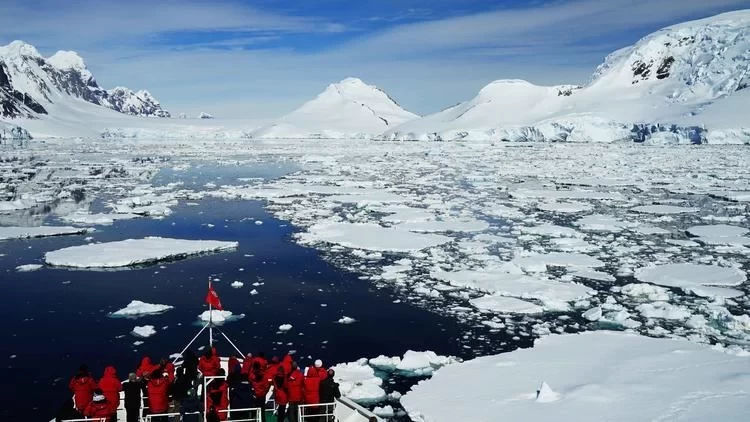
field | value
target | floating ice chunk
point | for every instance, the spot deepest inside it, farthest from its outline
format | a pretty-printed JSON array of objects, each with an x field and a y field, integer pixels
[
  {"x": 663, "y": 209},
  {"x": 136, "y": 308},
  {"x": 219, "y": 317},
  {"x": 144, "y": 331},
  {"x": 551, "y": 230},
  {"x": 358, "y": 382},
  {"x": 133, "y": 252},
  {"x": 650, "y": 230},
  {"x": 602, "y": 223},
  {"x": 346, "y": 320},
  {"x": 664, "y": 310},
  {"x": 593, "y": 314},
  {"x": 446, "y": 225},
  {"x": 645, "y": 292},
  {"x": 721, "y": 234},
  {"x": 565, "y": 207},
  {"x": 371, "y": 237},
  {"x": 285, "y": 327},
  {"x": 41, "y": 231},
  {"x": 545, "y": 394},
  {"x": 504, "y": 304},
  {"x": 237, "y": 284},
  {"x": 85, "y": 218},
  {"x": 423, "y": 363},
  {"x": 737, "y": 196},
  {"x": 385, "y": 363},
  {"x": 384, "y": 412},
  {"x": 703, "y": 280},
  {"x": 539, "y": 262},
  {"x": 592, "y": 275},
  {"x": 622, "y": 371},
  {"x": 28, "y": 268},
  {"x": 253, "y": 292}
]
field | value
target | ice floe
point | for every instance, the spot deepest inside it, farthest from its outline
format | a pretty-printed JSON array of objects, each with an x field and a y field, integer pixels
[
  {"x": 137, "y": 308},
  {"x": 371, "y": 237},
  {"x": 42, "y": 231},
  {"x": 595, "y": 376},
  {"x": 663, "y": 209},
  {"x": 101, "y": 219},
  {"x": 504, "y": 304},
  {"x": 133, "y": 252},
  {"x": 702, "y": 280},
  {"x": 144, "y": 331},
  {"x": 28, "y": 268},
  {"x": 219, "y": 317}
]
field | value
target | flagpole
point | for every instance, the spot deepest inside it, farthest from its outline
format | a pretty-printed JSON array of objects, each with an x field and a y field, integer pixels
[{"x": 210, "y": 319}]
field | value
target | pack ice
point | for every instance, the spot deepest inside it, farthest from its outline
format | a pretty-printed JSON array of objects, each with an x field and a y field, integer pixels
[
  {"x": 133, "y": 252},
  {"x": 592, "y": 376}
]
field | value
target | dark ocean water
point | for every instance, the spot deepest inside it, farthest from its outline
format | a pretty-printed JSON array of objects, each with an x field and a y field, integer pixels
[{"x": 56, "y": 319}]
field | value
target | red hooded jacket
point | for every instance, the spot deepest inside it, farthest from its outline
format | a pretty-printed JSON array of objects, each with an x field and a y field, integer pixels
[
  {"x": 247, "y": 365},
  {"x": 280, "y": 392},
  {"x": 82, "y": 386},
  {"x": 311, "y": 386},
  {"x": 158, "y": 397},
  {"x": 295, "y": 386},
  {"x": 218, "y": 392},
  {"x": 260, "y": 384},
  {"x": 232, "y": 364},
  {"x": 286, "y": 363},
  {"x": 146, "y": 367},
  {"x": 102, "y": 409},
  {"x": 111, "y": 387}
]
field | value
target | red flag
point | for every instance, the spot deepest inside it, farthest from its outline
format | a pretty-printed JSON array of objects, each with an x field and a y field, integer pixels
[{"x": 212, "y": 298}]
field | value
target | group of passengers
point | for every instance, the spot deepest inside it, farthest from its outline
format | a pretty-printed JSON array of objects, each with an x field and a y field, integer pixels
[{"x": 178, "y": 390}]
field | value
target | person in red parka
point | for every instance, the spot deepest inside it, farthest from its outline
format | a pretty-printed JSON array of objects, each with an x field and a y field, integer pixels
[
  {"x": 280, "y": 393},
  {"x": 82, "y": 386},
  {"x": 145, "y": 368},
  {"x": 286, "y": 363},
  {"x": 233, "y": 364},
  {"x": 260, "y": 387},
  {"x": 99, "y": 408},
  {"x": 296, "y": 390},
  {"x": 247, "y": 364},
  {"x": 158, "y": 393},
  {"x": 209, "y": 364},
  {"x": 272, "y": 368},
  {"x": 111, "y": 387},
  {"x": 311, "y": 386},
  {"x": 218, "y": 395}
]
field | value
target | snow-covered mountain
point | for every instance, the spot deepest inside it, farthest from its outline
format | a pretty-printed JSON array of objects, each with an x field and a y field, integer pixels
[
  {"x": 349, "y": 108},
  {"x": 670, "y": 76},
  {"x": 30, "y": 83}
]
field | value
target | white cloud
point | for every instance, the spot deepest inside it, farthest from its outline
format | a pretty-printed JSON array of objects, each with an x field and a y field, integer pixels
[{"x": 426, "y": 66}]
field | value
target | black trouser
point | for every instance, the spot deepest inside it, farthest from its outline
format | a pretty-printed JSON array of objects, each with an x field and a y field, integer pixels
[
  {"x": 261, "y": 403},
  {"x": 239, "y": 415},
  {"x": 293, "y": 412},
  {"x": 133, "y": 414},
  {"x": 281, "y": 413}
]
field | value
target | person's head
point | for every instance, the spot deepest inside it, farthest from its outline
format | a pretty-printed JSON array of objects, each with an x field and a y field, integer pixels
[
  {"x": 209, "y": 353},
  {"x": 249, "y": 356},
  {"x": 275, "y": 359},
  {"x": 280, "y": 371},
  {"x": 221, "y": 372},
  {"x": 294, "y": 366},
  {"x": 331, "y": 373},
  {"x": 132, "y": 377},
  {"x": 318, "y": 363}
]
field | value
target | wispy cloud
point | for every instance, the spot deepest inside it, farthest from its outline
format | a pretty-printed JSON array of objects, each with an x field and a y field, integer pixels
[{"x": 263, "y": 61}]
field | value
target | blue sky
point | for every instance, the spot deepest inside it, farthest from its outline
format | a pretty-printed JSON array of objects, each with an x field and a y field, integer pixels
[{"x": 261, "y": 59}]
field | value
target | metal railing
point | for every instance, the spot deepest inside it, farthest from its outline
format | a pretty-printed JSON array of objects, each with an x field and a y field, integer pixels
[
  {"x": 309, "y": 412},
  {"x": 150, "y": 416},
  {"x": 86, "y": 420},
  {"x": 255, "y": 411}
]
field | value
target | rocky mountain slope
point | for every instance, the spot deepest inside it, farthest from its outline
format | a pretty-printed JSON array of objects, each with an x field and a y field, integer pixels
[
  {"x": 667, "y": 77},
  {"x": 30, "y": 83}
]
